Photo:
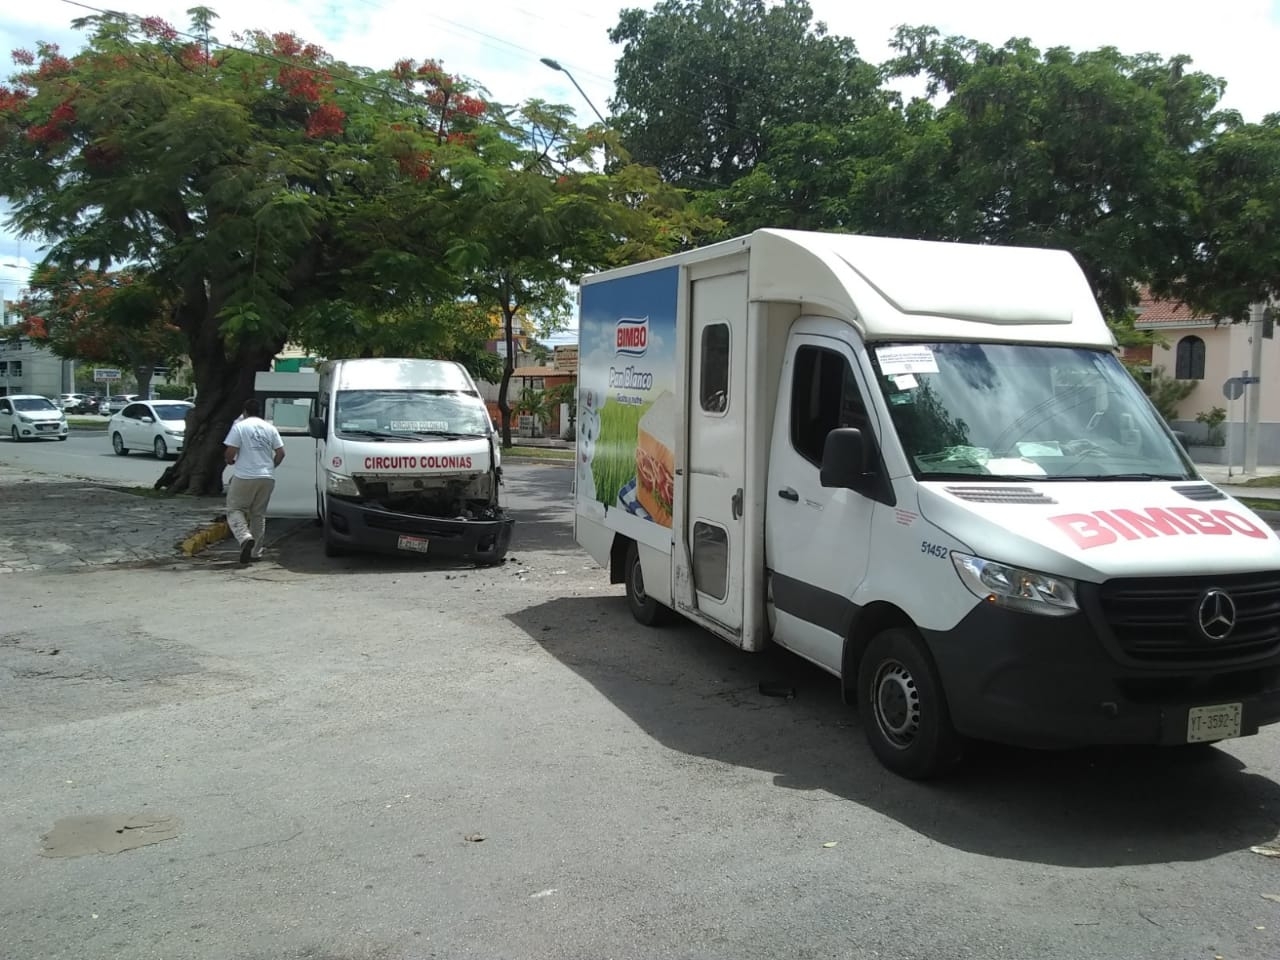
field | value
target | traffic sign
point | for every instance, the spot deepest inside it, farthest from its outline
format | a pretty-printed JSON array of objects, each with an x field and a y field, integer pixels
[
  {"x": 103, "y": 373},
  {"x": 1233, "y": 389}
]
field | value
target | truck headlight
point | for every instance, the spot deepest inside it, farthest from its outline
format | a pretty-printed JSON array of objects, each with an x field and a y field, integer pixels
[
  {"x": 1016, "y": 589},
  {"x": 341, "y": 486}
]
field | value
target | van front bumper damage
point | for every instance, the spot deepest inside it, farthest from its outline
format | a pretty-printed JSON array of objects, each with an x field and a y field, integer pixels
[
  {"x": 1129, "y": 668},
  {"x": 360, "y": 526}
]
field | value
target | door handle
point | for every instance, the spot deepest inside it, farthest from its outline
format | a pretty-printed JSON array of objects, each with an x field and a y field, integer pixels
[
  {"x": 735, "y": 504},
  {"x": 786, "y": 493}
]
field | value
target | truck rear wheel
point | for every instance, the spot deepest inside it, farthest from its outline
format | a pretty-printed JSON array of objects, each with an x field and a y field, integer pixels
[
  {"x": 643, "y": 607},
  {"x": 903, "y": 708}
]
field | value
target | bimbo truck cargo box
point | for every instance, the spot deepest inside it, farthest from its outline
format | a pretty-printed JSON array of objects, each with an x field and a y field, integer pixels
[{"x": 922, "y": 467}]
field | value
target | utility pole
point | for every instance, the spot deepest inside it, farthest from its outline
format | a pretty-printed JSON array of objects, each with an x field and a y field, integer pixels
[{"x": 1253, "y": 400}]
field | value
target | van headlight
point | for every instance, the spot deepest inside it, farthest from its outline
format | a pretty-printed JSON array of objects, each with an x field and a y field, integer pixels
[
  {"x": 341, "y": 486},
  {"x": 1016, "y": 589}
]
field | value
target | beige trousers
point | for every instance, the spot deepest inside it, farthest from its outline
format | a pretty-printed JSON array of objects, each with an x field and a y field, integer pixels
[{"x": 247, "y": 509}]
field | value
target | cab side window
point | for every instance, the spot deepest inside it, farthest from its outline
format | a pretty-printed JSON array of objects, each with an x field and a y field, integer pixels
[
  {"x": 135, "y": 411},
  {"x": 4, "y": 407},
  {"x": 824, "y": 396}
]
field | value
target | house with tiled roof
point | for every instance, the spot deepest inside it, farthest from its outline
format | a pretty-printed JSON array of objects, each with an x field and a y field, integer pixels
[{"x": 1208, "y": 351}]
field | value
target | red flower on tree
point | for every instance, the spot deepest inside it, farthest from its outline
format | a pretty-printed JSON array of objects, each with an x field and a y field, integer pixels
[{"x": 326, "y": 121}]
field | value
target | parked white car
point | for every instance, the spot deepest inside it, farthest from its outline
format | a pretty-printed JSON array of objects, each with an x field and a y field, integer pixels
[
  {"x": 28, "y": 417},
  {"x": 159, "y": 426},
  {"x": 117, "y": 402}
]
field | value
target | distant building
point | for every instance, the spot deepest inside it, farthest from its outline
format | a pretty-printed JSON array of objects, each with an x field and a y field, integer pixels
[
  {"x": 28, "y": 368},
  {"x": 1208, "y": 351}
]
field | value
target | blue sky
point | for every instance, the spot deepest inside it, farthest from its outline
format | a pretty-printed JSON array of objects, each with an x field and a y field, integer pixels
[{"x": 498, "y": 43}]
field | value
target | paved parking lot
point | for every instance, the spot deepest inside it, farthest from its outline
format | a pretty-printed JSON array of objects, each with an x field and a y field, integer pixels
[{"x": 394, "y": 758}]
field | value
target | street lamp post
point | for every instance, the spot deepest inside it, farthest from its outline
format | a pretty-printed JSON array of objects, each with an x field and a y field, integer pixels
[{"x": 555, "y": 65}]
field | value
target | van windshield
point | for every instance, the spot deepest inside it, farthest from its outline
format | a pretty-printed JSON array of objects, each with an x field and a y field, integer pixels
[
  {"x": 1013, "y": 410},
  {"x": 410, "y": 414}
]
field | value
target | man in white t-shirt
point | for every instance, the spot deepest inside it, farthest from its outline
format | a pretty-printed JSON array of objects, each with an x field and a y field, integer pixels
[{"x": 254, "y": 450}]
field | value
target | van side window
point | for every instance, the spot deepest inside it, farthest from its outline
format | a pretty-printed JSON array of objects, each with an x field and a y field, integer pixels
[
  {"x": 713, "y": 376},
  {"x": 824, "y": 396}
]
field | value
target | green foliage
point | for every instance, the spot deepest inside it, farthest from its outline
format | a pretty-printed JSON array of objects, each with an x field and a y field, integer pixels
[
  {"x": 1213, "y": 418},
  {"x": 1166, "y": 393},
  {"x": 704, "y": 86},
  {"x": 172, "y": 391}
]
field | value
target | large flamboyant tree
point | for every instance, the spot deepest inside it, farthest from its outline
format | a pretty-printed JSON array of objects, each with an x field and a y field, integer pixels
[{"x": 255, "y": 186}]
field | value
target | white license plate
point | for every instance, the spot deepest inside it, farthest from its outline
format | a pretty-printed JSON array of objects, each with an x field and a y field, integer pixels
[
  {"x": 416, "y": 544},
  {"x": 1219, "y": 722}
]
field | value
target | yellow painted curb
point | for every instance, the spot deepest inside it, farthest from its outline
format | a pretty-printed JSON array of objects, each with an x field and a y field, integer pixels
[{"x": 203, "y": 538}]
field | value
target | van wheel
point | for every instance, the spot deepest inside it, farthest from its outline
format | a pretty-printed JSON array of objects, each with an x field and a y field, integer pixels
[
  {"x": 643, "y": 607},
  {"x": 903, "y": 708}
]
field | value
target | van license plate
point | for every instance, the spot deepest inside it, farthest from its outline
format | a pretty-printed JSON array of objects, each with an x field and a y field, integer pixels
[
  {"x": 1219, "y": 722},
  {"x": 416, "y": 544}
]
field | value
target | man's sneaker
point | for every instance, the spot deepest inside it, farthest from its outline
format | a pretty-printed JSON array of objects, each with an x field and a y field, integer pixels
[{"x": 246, "y": 550}]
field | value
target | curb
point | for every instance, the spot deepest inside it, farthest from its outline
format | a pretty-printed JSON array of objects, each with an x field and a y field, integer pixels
[
  {"x": 549, "y": 461},
  {"x": 205, "y": 537}
]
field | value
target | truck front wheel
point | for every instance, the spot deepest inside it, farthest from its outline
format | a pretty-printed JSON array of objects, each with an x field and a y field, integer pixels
[
  {"x": 643, "y": 607},
  {"x": 903, "y": 708}
]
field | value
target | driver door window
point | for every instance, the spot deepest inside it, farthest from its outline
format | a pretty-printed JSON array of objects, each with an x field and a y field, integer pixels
[{"x": 824, "y": 396}]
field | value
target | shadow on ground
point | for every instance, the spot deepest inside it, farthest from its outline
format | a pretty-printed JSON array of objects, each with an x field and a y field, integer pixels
[{"x": 1086, "y": 808}]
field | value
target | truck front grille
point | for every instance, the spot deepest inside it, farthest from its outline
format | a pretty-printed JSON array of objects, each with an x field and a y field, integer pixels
[{"x": 1160, "y": 618}]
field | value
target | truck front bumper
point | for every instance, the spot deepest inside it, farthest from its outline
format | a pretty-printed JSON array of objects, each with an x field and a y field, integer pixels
[
  {"x": 1042, "y": 682},
  {"x": 356, "y": 526}
]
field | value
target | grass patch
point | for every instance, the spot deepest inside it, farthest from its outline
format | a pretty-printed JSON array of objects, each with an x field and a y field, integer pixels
[
  {"x": 552, "y": 453},
  {"x": 85, "y": 423},
  {"x": 614, "y": 463},
  {"x": 1262, "y": 482},
  {"x": 1259, "y": 503}
]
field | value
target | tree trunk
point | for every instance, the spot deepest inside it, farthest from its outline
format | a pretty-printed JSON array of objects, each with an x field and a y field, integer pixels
[
  {"x": 508, "y": 368},
  {"x": 143, "y": 375},
  {"x": 223, "y": 384}
]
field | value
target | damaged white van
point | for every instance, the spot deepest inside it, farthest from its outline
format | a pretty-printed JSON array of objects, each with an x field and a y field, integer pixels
[
  {"x": 406, "y": 461},
  {"x": 922, "y": 467}
]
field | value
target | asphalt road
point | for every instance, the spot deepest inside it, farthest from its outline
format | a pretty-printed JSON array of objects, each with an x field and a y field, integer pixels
[{"x": 391, "y": 758}]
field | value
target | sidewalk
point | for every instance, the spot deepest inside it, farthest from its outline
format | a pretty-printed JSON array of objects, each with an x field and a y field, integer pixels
[
  {"x": 61, "y": 523},
  {"x": 1234, "y": 485}
]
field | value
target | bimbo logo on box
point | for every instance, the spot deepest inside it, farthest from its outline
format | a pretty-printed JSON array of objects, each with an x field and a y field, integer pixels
[{"x": 632, "y": 336}]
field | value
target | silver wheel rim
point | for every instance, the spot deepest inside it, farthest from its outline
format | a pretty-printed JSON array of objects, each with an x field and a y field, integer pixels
[
  {"x": 637, "y": 582},
  {"x": 896, "y": 703},
  {"x": 160, "y": 448},
  {"x": 116, "y": 443}
]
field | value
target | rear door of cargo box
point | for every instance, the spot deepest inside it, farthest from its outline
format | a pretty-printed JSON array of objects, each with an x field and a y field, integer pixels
[{"x": 717, "y": 441}]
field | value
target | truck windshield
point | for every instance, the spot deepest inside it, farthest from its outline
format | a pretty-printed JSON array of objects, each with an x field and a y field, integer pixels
[
  {"x": 1012, "y": 410},
  {"x": 411, "y": 414}
]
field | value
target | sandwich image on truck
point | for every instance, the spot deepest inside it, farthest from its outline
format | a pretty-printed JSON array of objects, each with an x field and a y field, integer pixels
[
  {"x": 922, "y": 467},
  {"x": 407, "y": 461}
]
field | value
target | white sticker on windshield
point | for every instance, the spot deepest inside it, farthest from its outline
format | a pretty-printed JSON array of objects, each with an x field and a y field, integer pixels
[
  {"x": 906, "y": 359},
  {"x": 420, "y": 425},
  {"x": 905, "y": 381}
]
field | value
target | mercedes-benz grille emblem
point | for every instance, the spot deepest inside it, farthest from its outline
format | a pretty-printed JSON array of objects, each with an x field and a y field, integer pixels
[{"x": 1216, "y": 614}]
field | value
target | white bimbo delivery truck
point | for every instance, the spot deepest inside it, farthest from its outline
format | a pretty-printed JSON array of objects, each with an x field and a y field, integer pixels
[{"x": 921, "y": 467}]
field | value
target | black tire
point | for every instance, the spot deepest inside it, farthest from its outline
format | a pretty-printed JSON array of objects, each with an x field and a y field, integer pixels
[
  {"x": 160, "y": 449},
  {"x": 117, "y": 444},
  {"x": 903, "y": 707},
  {"x": 644, "y": 608},
  {"x": 13, "y": 435}
]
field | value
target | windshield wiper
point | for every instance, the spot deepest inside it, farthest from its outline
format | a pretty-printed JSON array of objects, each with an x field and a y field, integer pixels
[
  {"x": 984, "y": 477},
  {"x": 448, "y": 434},
  {"x": 1124, "y": 476},
  {"x": 379, "y": 434}
]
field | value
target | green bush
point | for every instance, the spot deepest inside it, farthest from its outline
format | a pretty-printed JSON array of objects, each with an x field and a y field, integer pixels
[
  {"x": 1212, "y": 420},
  {"x": 1166, "y": 393},
  {"x": 172, "y": 391}
]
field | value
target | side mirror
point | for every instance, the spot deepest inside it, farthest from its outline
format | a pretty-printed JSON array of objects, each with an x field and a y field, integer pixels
[
  {"x": 315, "y": 427},
  {"x": 844, "y": 459},
  {"x": 147, "y": 420}
]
